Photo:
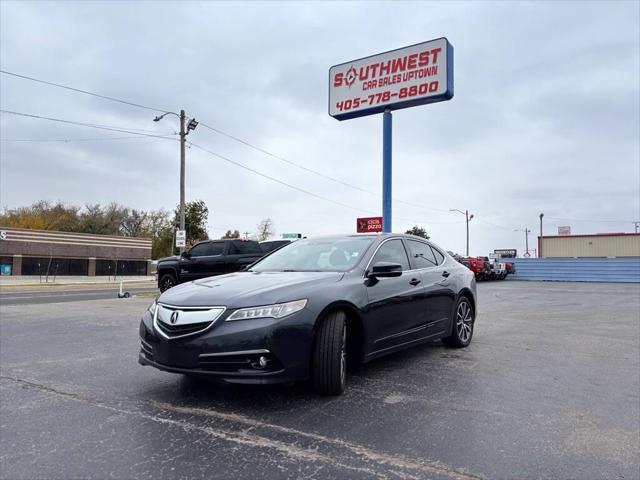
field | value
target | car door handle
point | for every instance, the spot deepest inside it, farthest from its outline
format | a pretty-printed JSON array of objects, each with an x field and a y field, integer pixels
[
  {"x": 414, "y": 281},
  {"x": 445, "y": 274}
]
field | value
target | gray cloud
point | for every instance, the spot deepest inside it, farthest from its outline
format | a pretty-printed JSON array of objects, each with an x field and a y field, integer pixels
[{"x": 545, "y": 117}]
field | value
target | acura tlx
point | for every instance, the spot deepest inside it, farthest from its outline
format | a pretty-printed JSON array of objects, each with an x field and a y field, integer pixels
[{"x": 300, "y": 312}]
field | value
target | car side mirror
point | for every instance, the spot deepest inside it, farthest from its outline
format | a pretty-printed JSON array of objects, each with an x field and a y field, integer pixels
[
  {"x": 385, "y": 269},
  {"x": 186, "y": 255}
]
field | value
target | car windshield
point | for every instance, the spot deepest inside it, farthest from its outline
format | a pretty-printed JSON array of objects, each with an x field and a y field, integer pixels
[{"x": 323, "y": 255}]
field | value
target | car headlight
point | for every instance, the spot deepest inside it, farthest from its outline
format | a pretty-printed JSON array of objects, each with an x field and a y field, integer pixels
[
  {"x": 277, "y": 310},
  {"x": 152, "y": 308}
]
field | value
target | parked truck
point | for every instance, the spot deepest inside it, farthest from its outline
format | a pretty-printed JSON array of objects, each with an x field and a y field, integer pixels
[{"x": 206, "y": 259}]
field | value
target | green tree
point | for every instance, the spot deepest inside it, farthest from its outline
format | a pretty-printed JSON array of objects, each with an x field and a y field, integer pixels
[
  {"x": 418, "y": 232},
  {"x": 42, "y": 215},
  {"x": 196, "y": 214}
]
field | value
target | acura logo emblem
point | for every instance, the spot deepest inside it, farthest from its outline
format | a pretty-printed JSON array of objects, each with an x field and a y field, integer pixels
[{"x": 174, "y": 317}]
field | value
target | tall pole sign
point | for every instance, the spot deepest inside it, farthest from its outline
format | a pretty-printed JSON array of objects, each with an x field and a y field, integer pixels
[{"x": 402, "y": 78}]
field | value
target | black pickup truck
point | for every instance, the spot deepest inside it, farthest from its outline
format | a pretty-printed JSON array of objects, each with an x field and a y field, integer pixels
[{"x": 205, "y": 259}]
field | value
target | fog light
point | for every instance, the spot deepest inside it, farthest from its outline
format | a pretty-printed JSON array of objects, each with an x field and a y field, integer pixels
[{"x": 262, "y": 361}]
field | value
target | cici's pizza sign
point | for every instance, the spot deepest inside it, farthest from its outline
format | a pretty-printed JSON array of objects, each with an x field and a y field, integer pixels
[
  {"x": 406, "y": 77},
  {"x": 369, "y": 224}
]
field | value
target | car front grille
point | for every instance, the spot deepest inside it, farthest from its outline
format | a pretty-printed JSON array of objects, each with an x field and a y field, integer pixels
[{"x": 175, "y": 322}]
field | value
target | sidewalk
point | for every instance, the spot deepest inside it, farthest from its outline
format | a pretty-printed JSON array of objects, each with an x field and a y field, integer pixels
[{"x": 24, "y": 280}]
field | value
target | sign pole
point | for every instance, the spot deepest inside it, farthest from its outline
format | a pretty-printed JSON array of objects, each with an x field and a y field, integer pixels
[{"x": 386, "y": 170}]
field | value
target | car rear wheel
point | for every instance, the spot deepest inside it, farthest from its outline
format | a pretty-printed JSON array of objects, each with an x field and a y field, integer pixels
[
  {"x": 329, "y": 368},
  {"x": 462, "y": 329},
  {"x": 167, "y": 281}
]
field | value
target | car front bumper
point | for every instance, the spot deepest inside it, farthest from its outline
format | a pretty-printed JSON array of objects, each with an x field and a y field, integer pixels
[{"x": 232, "y": 351}]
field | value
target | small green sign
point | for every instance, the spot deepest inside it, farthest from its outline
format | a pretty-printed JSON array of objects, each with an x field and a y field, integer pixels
[{"x": 287, "y": 236}]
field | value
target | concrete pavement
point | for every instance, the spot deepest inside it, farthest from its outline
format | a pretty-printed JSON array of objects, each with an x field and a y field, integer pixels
[{"x": 549, "y": 388}]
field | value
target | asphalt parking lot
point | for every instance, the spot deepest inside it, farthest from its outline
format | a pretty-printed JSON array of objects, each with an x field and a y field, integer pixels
[{"x": 549, "y": 388}]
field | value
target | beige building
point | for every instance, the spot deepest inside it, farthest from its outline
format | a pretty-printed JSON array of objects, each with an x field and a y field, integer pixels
[
  {"x": 46, "y": 252},
  {"x": 590, "y": 246}
]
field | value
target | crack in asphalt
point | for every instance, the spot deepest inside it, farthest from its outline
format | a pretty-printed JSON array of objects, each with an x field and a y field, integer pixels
[
  {"x": 396, "y": 461},
  {"x": 385, "y": 464}
]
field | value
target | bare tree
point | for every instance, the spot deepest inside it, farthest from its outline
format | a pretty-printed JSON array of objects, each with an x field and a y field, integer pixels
[
  {"x": 265, "y": 230},
  {"x": 133, "y": 223}
]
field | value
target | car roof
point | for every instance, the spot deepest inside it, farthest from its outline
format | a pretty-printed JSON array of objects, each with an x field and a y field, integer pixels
[{"x": 380, "y": 235}]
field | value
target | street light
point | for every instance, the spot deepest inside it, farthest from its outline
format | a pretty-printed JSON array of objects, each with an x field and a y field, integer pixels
[
  {"x": 540, "y": 242},
  {"x": 526, "y": 239},
  {"x": 190, "y": 126},
  {"x": 467, "y": 217}
]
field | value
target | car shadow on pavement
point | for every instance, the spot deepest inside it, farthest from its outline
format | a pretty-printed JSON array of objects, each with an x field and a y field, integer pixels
[{"x": 196, "y": 392}]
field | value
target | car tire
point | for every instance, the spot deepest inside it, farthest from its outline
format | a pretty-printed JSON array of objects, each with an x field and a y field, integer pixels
[
  {"x": 330, "y": 355},
  {"x": 463, "y": 322},
  {"x": 167, "y": 281}
]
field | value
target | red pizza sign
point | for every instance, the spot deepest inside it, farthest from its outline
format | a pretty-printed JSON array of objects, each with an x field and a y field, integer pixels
[{"x": 369, "y": 224}]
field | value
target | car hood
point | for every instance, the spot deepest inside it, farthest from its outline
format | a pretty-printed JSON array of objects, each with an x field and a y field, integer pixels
[
  {"x": 169, "y": 259},
  {"x": 246, "y": 289}
]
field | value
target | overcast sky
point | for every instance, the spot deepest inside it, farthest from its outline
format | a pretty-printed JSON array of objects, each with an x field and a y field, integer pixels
[{"x": 545, "y": 116}]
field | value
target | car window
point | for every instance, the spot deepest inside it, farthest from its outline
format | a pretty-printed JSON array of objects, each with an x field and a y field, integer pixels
[
  {"x": 422, "y": 254},
  {"x": 267, "y": 247},
  {"x": 392, "y": 251},
  {"x": 243, "y": 246},
  {"x": 217, "y": 248},
  {"x": 200, "y": 250},
  {"x": 317, "y": 255},
  {"x": 439, "y": 256}
]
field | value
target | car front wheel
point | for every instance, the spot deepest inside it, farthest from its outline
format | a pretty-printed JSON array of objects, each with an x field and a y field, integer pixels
[
  {"x": 167, "y": 281},
  {"x": 329, "y": 367},
  {"x": 462, "y": 328}
]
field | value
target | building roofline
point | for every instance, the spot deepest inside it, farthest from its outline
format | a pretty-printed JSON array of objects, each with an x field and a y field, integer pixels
[{"x": 617, "y": 234}]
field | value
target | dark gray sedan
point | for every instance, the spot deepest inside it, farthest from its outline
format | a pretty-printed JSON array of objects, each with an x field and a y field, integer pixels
[{"x": 298, "y": 313}]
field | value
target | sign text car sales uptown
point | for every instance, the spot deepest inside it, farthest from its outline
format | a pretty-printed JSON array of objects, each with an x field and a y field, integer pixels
[{"x": 402, "y": 78}]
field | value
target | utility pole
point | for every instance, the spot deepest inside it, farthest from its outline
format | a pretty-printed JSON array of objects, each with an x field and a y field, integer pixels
[
  {"x": 466, "y": 214},
  {"x": 182, "y": 168},
  {"x": 540, "y": 244},
  {"x": 183, "y": 134},
  {"x": 467, "y": 218},
  {"x": 526, "y": 239}
]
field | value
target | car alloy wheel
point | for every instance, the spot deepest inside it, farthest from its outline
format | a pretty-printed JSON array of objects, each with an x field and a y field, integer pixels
[
  {"x": 329, "y": 363},
  {"x": 343, "y": 357},
  {"x": 464, "y": 321},
  {"x": 166, "y": 283}
]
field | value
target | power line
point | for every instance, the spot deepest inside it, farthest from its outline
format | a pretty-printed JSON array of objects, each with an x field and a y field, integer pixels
[
  {"x": 493, "y": 224},
  {"x": 302, "y": 190},
  {"x": 91, "y": 125},
  {"x": 310, "y": 170},
  {"x": 220, "y": 132},
  {"x": 104, "y": 97},
  {"x": 67, "y": 140}
]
